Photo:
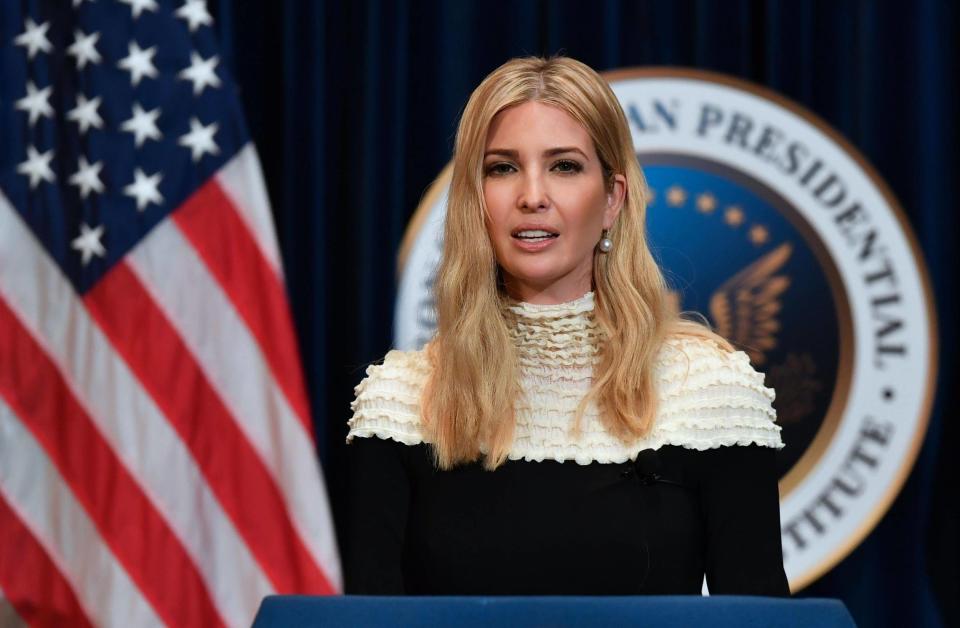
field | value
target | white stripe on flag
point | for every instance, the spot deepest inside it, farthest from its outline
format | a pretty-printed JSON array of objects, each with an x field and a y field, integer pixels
[
  {"x": 236, "y": 368},
  {"x": 44, "y": 503},
  {"x": 129, "y": 420},
  {"x": 8, "y": 614},
  {"x": 241, "y": 179}
]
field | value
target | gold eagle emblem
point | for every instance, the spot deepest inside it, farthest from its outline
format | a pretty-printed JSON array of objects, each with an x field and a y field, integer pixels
[{"x": 745, "y": 307}]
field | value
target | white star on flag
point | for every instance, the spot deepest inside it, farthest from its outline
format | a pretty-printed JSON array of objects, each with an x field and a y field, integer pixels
[
  {"x": 144, "y": 189},
  {"x": 85, "y": 113},
  {"x": 139, "y": 6},
  {"x": 34, "y": 38},
  {"x": 35, "y": 102},
  {"x": 201, "y": 73},
  {"x": 139, "y": 63},
  {"x": 37, "y": 166},
  {"x": 84, "y": 48},
  {"x": 87, "y": 177},
  {"x": 143, "y": 125},
  {"x": 195, "y": 13},
  {"x": 200, "y": 139},
  {"x": 88, "y": 243}
]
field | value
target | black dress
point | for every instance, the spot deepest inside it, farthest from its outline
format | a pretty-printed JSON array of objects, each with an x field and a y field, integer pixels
[
  {"x": 654, "y": 526},
  {"x": 571, "y": 514}
]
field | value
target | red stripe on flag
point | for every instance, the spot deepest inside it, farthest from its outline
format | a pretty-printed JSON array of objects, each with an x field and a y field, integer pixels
[
  {"x": 153, "y": 349},
  {"x": 210, "y": 222},
  {"x": 29, "y": 579},
  {"x": 129, "y": 524}
]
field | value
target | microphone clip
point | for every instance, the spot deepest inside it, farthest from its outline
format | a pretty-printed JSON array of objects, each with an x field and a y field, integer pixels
[{"x": 646, "y": 468}]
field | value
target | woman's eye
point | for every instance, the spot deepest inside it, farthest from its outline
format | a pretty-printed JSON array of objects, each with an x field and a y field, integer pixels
[
  {"x": 567, "y": 165},
  {"x": 501, "y": 168}
]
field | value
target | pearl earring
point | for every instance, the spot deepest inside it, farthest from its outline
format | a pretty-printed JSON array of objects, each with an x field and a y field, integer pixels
[{"x": 605, "y": 243}]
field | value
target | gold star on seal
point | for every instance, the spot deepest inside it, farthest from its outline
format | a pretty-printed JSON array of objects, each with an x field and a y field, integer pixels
[
  {"x": 733, "y": 216},
  {"x": 706, "y": 202},
  {"x": 759, "y": 234},
  {"x": 676, "y": 196}
]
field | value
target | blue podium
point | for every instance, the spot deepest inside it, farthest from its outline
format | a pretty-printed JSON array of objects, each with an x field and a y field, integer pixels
[{"x": 580, "y": 612}]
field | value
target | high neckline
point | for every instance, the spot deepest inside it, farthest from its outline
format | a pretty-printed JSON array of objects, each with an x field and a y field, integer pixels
[
  {"x": 580, "y": 305},
  {"x": 556, "y": 335}
]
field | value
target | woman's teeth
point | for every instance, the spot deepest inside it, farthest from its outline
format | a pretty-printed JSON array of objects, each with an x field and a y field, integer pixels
[{"x": 535, "y": 235}]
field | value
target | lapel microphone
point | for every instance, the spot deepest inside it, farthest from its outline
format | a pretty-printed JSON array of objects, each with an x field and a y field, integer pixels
[{"x": 647, "y": 468}]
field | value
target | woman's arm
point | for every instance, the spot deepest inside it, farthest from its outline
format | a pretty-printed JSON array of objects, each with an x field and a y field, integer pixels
[
  {"x": 378, "y": 503},
  {"x": 384, "y": 426},
  {"x": 741, "y": 504}
]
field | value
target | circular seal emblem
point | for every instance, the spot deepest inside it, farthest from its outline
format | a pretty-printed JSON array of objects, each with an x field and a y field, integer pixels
[{"x": 776, "y": 229}]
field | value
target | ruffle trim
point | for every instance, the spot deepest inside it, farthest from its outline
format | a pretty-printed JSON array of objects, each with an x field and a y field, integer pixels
[
  {"x": 727, "y": 393},
  {"x": 562, "y": 335},
  {"x": 611, "y": 454},
  {"x": 708, "y": 398},
  {"x": 584, "y": 452},
  {"x": 579, "y": 305}
]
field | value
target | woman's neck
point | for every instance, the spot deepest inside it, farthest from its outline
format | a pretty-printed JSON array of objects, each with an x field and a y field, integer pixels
[{"x": 556, "y": 293}]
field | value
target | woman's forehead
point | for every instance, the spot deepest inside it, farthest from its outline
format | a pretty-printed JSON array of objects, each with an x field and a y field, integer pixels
[{"x": 522, "y": 126}]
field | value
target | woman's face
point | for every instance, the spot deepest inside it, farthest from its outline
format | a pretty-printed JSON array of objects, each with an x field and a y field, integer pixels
[{"x": 541, "y": 174}]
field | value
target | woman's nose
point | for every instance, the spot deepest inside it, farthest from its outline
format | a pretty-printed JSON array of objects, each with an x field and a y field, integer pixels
[{"x": 533, "y": 194}]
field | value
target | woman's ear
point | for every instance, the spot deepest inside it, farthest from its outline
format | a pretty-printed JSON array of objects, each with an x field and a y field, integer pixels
[{"x": 615, "y": 199}]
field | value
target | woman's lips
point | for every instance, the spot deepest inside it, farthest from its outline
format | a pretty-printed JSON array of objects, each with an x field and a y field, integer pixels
[{"x": 534, "y": 246}]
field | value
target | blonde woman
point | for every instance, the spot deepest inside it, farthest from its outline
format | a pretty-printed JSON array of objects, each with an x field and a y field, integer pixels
[{"x": 565, "y": 431}]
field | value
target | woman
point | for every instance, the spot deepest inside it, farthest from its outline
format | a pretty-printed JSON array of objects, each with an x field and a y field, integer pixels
[{"x": 565, "y": 432}]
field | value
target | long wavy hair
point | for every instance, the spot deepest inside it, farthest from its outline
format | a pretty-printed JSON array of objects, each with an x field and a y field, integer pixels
[{"x": 468, "y": 400}]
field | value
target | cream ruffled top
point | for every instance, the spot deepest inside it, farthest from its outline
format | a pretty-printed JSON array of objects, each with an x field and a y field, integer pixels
[{"x": 708, "y": 397}]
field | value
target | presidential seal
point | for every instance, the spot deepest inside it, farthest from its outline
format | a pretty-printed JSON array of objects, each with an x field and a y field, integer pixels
[{"x": 778, "y": 231}]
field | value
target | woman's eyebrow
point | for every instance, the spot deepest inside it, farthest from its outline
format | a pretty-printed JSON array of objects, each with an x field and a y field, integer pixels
[{"x": 550, "y": 152}]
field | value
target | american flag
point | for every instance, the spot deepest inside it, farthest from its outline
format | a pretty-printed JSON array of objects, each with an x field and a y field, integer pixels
[{"x": 156, "y": 458}]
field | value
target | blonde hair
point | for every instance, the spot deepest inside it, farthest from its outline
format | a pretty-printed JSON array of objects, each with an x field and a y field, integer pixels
[{"x": 468, "y": 399}]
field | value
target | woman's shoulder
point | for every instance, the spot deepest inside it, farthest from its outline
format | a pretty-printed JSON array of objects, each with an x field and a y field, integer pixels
[
  {"x": 710, "y": 396},
  {"x": 387, "y": 401}
]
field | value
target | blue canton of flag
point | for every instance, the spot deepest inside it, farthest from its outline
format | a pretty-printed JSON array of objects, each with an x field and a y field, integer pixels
[{"x": 112, "y": 115}]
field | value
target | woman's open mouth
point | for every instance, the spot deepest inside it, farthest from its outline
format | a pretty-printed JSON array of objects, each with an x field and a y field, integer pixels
[{"x": 534, "y": 239}]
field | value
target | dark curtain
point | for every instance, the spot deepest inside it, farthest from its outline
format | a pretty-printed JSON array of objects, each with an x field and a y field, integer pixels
[{"x": 354, "y": 105}]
